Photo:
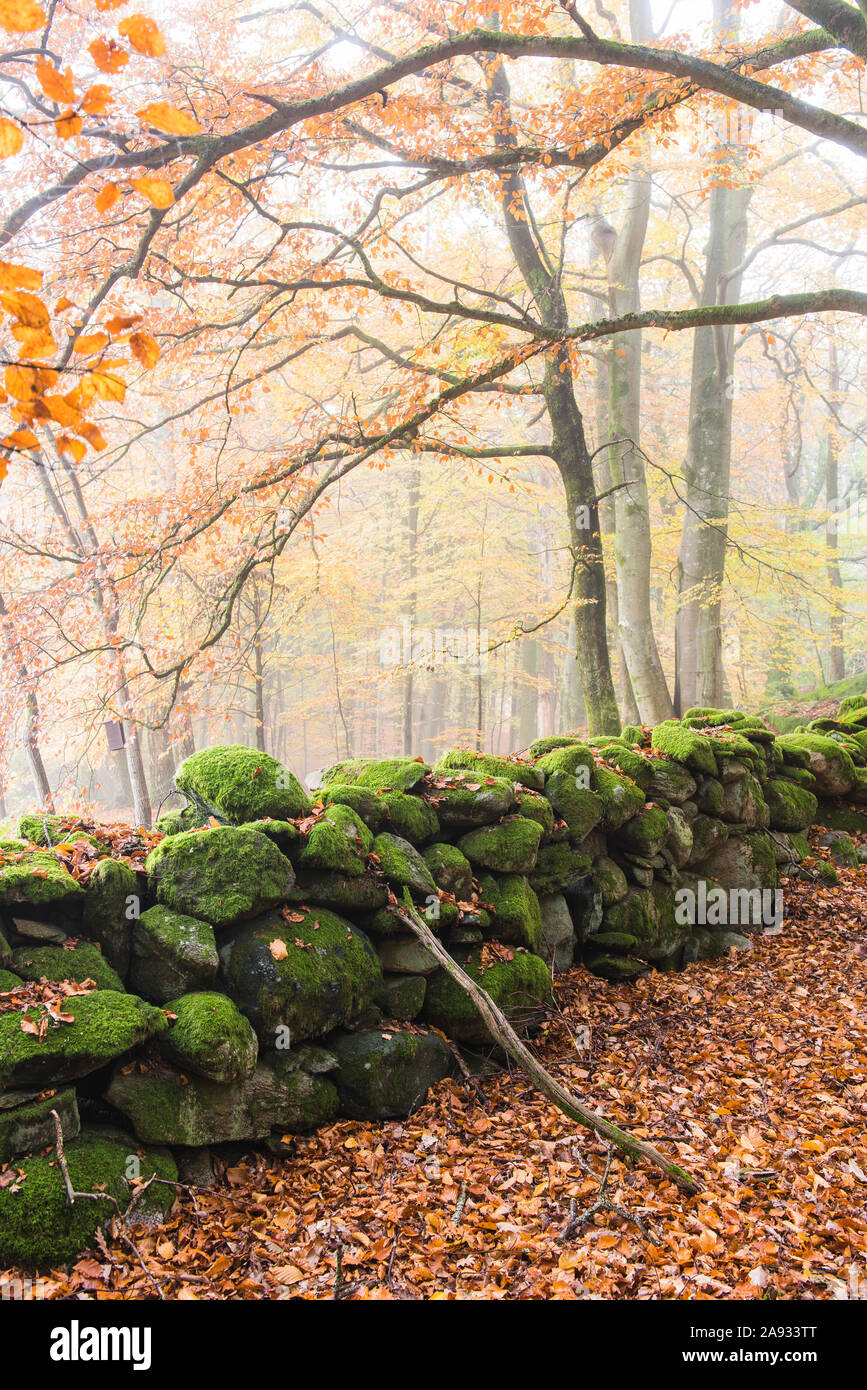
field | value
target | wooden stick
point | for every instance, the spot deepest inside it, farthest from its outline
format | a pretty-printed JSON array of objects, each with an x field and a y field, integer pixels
[{"x": 503, "y": 1032}]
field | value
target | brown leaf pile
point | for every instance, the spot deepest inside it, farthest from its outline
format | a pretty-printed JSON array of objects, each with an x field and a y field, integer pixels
[{"x": 751, "y": 1071}]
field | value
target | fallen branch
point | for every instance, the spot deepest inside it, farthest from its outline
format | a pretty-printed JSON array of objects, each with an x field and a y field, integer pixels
[{"x": 503, "y": 1033}]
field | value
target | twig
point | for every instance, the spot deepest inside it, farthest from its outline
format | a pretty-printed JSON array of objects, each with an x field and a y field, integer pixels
[
  {"x": 602, "y": 1203},
  {"x": 502, "y": 1030}
]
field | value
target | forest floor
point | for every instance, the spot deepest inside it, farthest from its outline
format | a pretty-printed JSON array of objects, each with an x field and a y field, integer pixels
[{"x": 750, "y": 1071}]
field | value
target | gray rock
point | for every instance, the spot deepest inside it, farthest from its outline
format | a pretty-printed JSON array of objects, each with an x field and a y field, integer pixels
[
  {"x": 28, "y": 1125},
  {"x": 385, "y": 1072},
  {"x": 558, "y": 933},
  {"x": 405, "y": 955},
  {"x": 172, "y": 954}
]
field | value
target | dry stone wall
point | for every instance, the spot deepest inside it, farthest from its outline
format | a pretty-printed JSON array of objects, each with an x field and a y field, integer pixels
[{"x": 250, "y": 978}]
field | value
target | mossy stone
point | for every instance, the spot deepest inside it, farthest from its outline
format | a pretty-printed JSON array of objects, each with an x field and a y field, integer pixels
[
  {"x": 241, "y": 784},
  {"x": 521, "y": 987},
  {"x": 791, "y": 807},
  {"x": 38, "y": 1226},
  {"x": 621, "y": 798},
  {"x": 620, "y": 942},
  {"x": 409, "y": 816},
  {"x": 489, "y": 765},
  {"x": 79, "y": 963},
  {"x": 9, "y": 981},
  {"x": 112, "y": 893},
  {"x": 670, "y": 781},
  {"x": 36, "y": 878},
  {"x": 541, "y": 746},
  {"x": 337, "y": 843},
  {"x": 403, "y": 866},
  {"x": 535, "y": 806},
  {"x": 450, "y": 870},
  {"x": 402, "y": 996},
  {"x": 172, "y": 954},
  {"x": 339, "y": 892},
  {"x": 385, "y": 1073},
  {"x": 105, "y": 1025},
  {"x": 27, "y": 1124},
  {"x": 633, "y": 765},
  {"x": 517, "y": 917},
  {"x": 610, "y": 880},
  {"x": 509, "y": 847},
  {"x": 828, "y": 761},
  {"x": 392, "y": 774},
  {"x": 224, "y": 875},
  {"x": 176, "y": 822},
  {"x": 464, "y": 802},
  {"x": 328, "y": 975},
  {"x": 577, "y": 759},
  {"x": 558, "y": 866},
  {"x": 743, "y": 803},
  {"x": 686, "y": 746},
  {"x": 285, "y": 835},
  {"x": 615, "y": 968},
  {"x": 211, "y": 1037},
  {"x": 646, "y": 833},
  {"x": 362, "y": 800},
  {"x": 405, "y": 955},
  {"x": 578, "y": 806},
  {"x": 636, "y": 915}
]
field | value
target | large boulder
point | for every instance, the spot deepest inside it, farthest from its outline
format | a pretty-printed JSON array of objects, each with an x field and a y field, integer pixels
[
  {"x": 403, "y": 866},
  {"x": 510, "y": 847},
  {"x": 462, "y": 801},
  {"x": 211, "y": 1037},
  {"x": 337, "y": 843},
  {"x": 102, "y": 1025},
  {"x": 307, "y": 971},
  {"x": 791, "y": 807},
  {"x": 520, "y": 986},
  {"x": 240, "y": 784},
  {"x": 517, "y": 917},
  {"x": 450, "y": 869},
  {"x": 39, "y": 1228},
  {"x": 37, "y": 880},
  {"x": 829, "y": 763},
  {"x": 111, "y": 903},
  {"x": 170, "y": 1108},
  {"x": 172, "y": 954},
  {"x": 223, "y": 876},
  {"x": 385, "y": 1073}
]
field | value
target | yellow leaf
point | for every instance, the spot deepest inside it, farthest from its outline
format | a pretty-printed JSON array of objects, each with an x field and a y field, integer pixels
[
  {"x": 93, "y": 434},
  {"x": 58, "y": 86},
  {"x": 89, "y": 343},
  {"x": 108, "y": 55},
  {"x": 163, "y": 116},
  {"x": 11, "y": 138},
  {"x": 108, "y": 386},
  {"x": 35, "y": 342},
  {"x": 278, "y": 949},
  {"x": 143, "y": 34},
  {"x": 22, "y": 382},
  {"x": 157, "y": 191},
  {"x": 20, "y": 439},
  {"x": 21, "y": 16},
  {"x": 107, "y": 197},
  {"x": 63, "y": 303},
  {"x": 19, "y": 277},
  {"x": 67, "y": 125},
  {"x": 97, "y": 99},
  {"x": 74, "y": 447},
  {"x": 26, "y": 308},
  {"x": 144, "y": 349},
  {"x": 62, "y": 411}
]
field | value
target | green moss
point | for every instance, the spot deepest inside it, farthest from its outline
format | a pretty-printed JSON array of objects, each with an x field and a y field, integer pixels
[
  {"x": 339, "y": 892},
  {"x": 510, "y": 847},
  {"x": 535, "y": 806},
  {"x": 26, "y": 1127},
  {"x": 645, "y": 833},
  {"x": 328, "y": 976},
  {"x": 610, "y": 880},
  {"x": 830, "y": 764},
  {"x": 837, "y": 817},
  {"x": 633, "y": 736},
  {"x": 521, "y": 987},
  {"x": 576, "y": 759},
  {"x": 637, "y": 915},
  {"x": 366, "y": 803},
  {"x": 241, "y": 784},
  {"x": 285, "y": 835},
  {"x": 547, "y": 745},
  {"x": 558, "y": 866},
  {"x": 105, "y": 1025},
  {"x": 385, "y": 1072},
  {"x": 633, "y": 765},
  {"x": 210, "y": 1037},
  {"x": 402, "y": 865},
  {"x": 223, "y": 875},
  {"x": 851, "y": 704},
  {"x": 39, "y": 1228},
  {"x": 621, "y": 798},
  {"x": 78, "y": 963},
  {"x": 8, "y": 981},
  {"x": 615, "y": 967},
  {"x": 32, "y": 826},
  {"x": 581, "y": 809},
  {"x": 337, "y": 843},
  {"x": 176, "y": 822},
  {"x": 410, "y": 817},
  {"x": 620, "y": 942},
  {"x": 462, "y": 800},
  {"x": 487, "y": 765},
  {"x": 686, "y": 746},
  {"x": 393, "y": 774},
  {"x": 450, "y": 870},
  {"x": 402, "y": 996},
  {"x": 112, "y": 891},
  {"x": 791, "y": 807},
  {"x": 517, "y": 916},
  {"x": 36, "y": 878}
]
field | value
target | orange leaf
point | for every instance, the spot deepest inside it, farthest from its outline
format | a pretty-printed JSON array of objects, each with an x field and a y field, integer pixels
[
  {"x": 108, "y": 55},
  {"x": 62, "y": 411},
  {"x": 74, "y": 447},
  {"x": 107, "y": 197},
  {"x": 63, "y": 303},
  {"x": 121, "y": 322},
  {"x": 21, "y": 277},
  {"x": 20, "y": 439},
  {"x": 88, "y": 343},
  {"x": 108, "y": 386},
  {"x": 97, "y": 99},
  {"x": 93, "y": 434},
  {"x": 11, "y": 138},
  {"x": 26, "y": 308},
  {"x": 158, "y": 192},
  {"x": 67, "y": 125},
  {"x": 163, "y": 116},
  {"x": 35, "y": 342},
  {"x": 144, "y": 349},
  {"x": 143, "y": 34},
  {"x": 278, "y": 949},
  {"x": 21, "y": 16},
  {"x": 58, "y": 86}
]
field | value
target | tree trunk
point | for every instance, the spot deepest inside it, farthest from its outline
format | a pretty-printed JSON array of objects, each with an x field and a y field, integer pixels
[
  {"x": 41, "y": 784},
  {"x": 412, "y": 559},
  {"x": 836, "y": 660}
]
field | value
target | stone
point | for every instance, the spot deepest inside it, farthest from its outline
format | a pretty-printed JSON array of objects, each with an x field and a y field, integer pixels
[
  {"x": 744, "y": 804},
  {"x": 615, "y": 968},
  {"x": 224, "y": 875},
  {"x": 172, "y": 954},
  {"x": 105, "y": 1025},
  {"x": 79, "y": 963},
  {"x": 829, "y": 763},
  {"x": 338, "y": 843},
  {"x": 694, "y": 750},
  {"x": 584, "y": 900},
  {"x": 409, "y": 816},
  {"x": 610, "y": 879},
  {"x": 385, "y": 1073},
  {"x": 339, "y": 892},
  {"x": 791, "y": 807},
  {"x": 403, "y": 866},
  {"x": 557, "y": 946},
  {"x": 40, "y": 1229},
  {"x": 402, "y": 996},
  {"x": 535, "y": 806},
  {"x": 621, "y": 798},
  {"x": 36, "y": 879},
  {"x": 111, "y": 894},
  {"x": 637, "y": 915},
  {"x": 680, "y": 838},
  {"x": 483, "y": 765},
  {"x": 510, "y": 847},
  {"x": 168, "y": 1109},
  {"x": 579, "y": 807},
  {"x": 47, "y": 932},
  {"x": 559, "y": 865},
  {"x": 514, "y": 906},
  {"x": 463, "y": 802},
  {"x": 450, "y": 870},
  {"x": 241, "y": 784},
  {"x": 645, "y": 833},
  {"x": 210, "y": 1037},
  {"x": 745, "y": 861},
  {"x": 328, "y": 975},
  {"x": 711, "y": 945},
  {"x": 707, "y": 833},
  {"x": 405, "y": 955},
  {"x": 29, "y": 1125},
  {"x": 521, "y": 987},
  {"x": 391, "y": 774},
  {"x": 363, "y": 801}
]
